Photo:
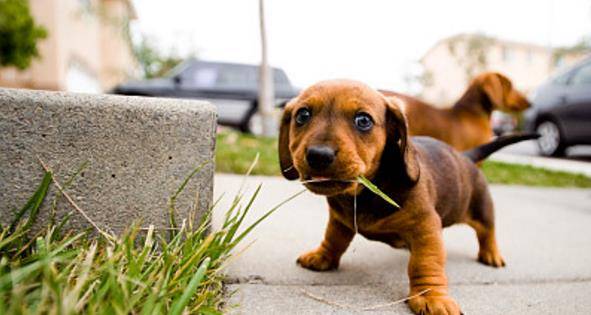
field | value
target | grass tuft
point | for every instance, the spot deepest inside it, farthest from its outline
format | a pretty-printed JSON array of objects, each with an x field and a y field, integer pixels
[{"x": 143, "y": 271}]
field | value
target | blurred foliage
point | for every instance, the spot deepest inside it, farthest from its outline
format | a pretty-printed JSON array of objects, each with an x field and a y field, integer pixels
[
  {"x": 422, "y": 80},
  {"x": 471, "y": 53},
  {"x": 583, "y": 46},
  {"x": 18, "y": 34},
  {"x": 153, "y": 63}
]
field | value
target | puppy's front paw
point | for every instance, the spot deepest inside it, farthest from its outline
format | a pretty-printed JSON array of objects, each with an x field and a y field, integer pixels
[
  {"x": 434, "y": 305},
  {"x": 317, "y": 260},
  {"x": 491, "y": 258}
]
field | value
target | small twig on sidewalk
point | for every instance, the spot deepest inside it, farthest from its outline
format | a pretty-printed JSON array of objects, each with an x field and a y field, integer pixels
[
  {"x": 325, "y": 301},
  {"x": 71, "y": 201},
  {"x": 369, "y": 308}
]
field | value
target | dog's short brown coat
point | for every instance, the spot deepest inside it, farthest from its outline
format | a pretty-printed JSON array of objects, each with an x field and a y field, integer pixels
[
  {"x": 467, "y": 123},
  {"x": 434, "y": 184}
]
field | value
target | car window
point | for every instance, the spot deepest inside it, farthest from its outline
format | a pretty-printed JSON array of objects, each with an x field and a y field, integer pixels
[
  {"x": 225, "y": 76},
  {"x": 201, "y": 76},
  {"x": 237, "y": 76},
  {"x": 205, "y": 77},
  {"x": 582, "y": 76},
  {"x": 280, "y": 79},
  {"x": 230, "y": 76},
  {"x": 562, "y": 79}
]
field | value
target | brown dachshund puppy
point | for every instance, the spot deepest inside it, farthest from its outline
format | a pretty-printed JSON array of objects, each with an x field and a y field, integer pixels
[
  {"x": 467, "y": 124},
  {"x": 334, "y": 132}
]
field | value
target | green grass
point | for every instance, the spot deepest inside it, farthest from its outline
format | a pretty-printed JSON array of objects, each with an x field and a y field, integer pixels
[
  {"x": 514, "y": 174},
  {"x": 143, "y": 271},
  {"x": 235, "y": 151}
]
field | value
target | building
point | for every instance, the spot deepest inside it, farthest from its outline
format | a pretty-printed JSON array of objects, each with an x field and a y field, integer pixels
[
  {"x": 452, "y": 62},
  {"x": 87, "y": 48}
]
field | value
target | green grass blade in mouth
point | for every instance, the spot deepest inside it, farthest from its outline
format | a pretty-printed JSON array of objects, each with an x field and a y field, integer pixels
[{"x": 374, "y": 189}]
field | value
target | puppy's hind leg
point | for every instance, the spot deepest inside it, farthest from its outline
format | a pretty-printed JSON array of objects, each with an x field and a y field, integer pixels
[{"x": 481, "y": 219}]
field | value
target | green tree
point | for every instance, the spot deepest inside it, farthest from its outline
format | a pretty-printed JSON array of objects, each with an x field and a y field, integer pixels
[
  {"x": 153, "y": 63},
  {"x": 18, "y": 34},
  {"x": 473, "y": 57}
]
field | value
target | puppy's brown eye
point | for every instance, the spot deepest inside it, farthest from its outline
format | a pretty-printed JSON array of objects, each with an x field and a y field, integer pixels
[
  {"x": 303, "y": 116},
  {"x": 363, "y": 122}
]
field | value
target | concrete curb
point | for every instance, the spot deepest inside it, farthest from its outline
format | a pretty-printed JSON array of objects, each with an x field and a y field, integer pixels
[
  {"x": 546, "y": 163},
  {"x": 138, "y": 150}
]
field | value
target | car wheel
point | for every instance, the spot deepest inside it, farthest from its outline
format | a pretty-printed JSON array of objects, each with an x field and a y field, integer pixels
[
  {"x": 550, "y": 142},
  {"x": 244, "y": 128}
]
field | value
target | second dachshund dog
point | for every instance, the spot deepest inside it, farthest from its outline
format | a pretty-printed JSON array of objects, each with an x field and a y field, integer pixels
[
  {"x": 466, "y": 124},
  {"x": 336, "y": 131}
]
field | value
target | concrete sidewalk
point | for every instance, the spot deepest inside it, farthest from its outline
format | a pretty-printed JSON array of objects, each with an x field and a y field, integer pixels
[{"x": 544, "y": 235}]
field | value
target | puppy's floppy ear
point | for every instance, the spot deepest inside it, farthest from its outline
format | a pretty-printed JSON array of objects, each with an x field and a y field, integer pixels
[
  {"x": 285, "y": 160},
  {"x": 398, "y": 147},
  {"x": 495, "y": 86}
]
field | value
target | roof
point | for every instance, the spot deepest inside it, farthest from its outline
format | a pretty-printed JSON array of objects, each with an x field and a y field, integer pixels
[{"x": 505, "y": 42}]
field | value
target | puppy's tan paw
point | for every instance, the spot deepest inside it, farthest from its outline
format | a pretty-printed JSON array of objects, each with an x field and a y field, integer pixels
[
  {"x": 491, "y": 258},
  {"x": 317, "y": 260},
  {"x": 434, "y": 305}
]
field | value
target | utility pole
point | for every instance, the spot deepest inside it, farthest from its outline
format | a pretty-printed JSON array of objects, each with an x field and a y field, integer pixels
[{"x": 266, "y": 86}]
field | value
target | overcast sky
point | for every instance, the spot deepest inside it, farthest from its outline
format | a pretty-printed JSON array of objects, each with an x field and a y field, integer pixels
[{"x": 375, "y": 41}]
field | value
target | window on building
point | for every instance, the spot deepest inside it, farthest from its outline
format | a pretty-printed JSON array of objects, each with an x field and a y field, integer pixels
[
  {"x": 79, "y": 79},
  {"x": 85, "y": 3},
  {"x": 442, "y": 95},
  {"x": 529, "y": 56},
  {"x": 508, "y": 54}
]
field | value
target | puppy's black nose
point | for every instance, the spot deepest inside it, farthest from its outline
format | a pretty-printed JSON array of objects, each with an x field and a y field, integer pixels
[{"x": 320, "y": 157}]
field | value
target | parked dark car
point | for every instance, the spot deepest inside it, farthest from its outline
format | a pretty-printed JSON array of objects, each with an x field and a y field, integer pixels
[
  {"x": 561, "y": 110},
  {"x": 231, "y": 87}
]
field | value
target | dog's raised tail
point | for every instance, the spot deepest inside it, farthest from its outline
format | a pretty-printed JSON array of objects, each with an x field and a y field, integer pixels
[{"x": 482, "y": 152}]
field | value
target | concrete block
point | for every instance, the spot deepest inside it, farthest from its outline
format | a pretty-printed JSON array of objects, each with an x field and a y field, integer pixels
[{"x": 138, "y": 150}]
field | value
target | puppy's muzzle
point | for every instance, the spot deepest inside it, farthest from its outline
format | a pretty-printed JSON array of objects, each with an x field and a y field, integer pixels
[{"x": 320, "y": 157}]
